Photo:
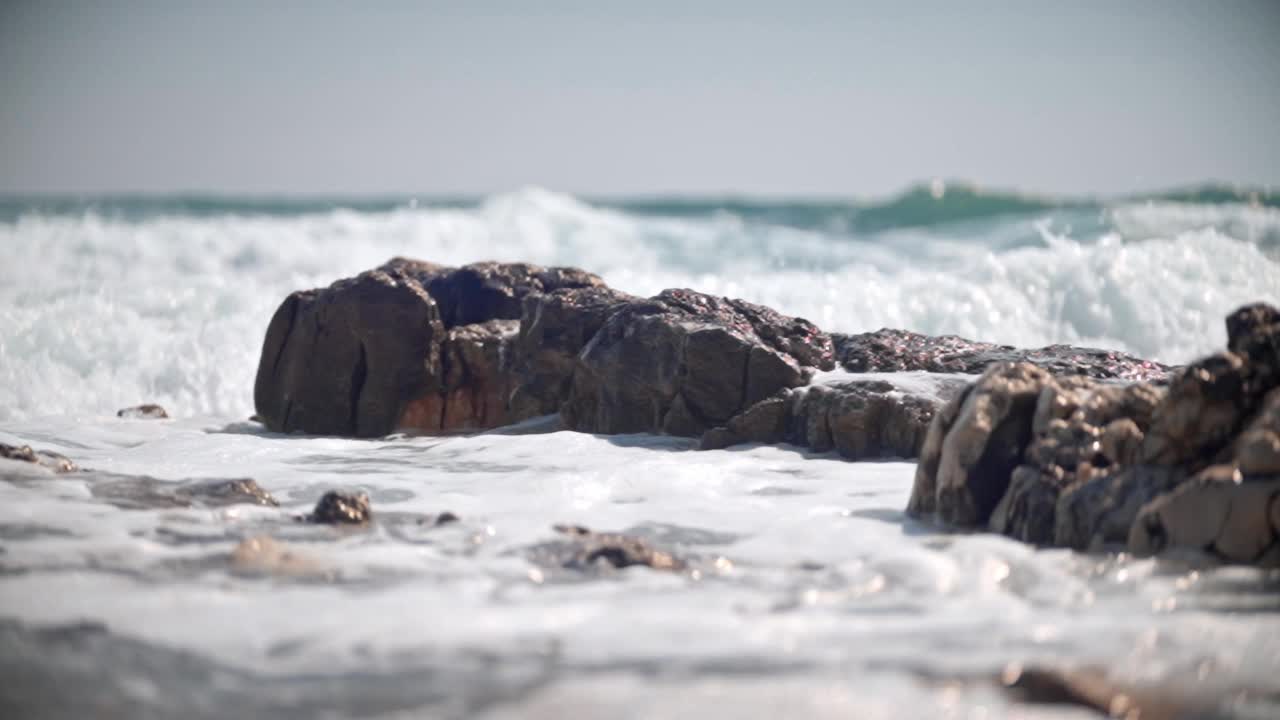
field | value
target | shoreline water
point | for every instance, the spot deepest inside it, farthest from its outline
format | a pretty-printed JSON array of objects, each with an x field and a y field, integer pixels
[{"x": 831, "y": 599}]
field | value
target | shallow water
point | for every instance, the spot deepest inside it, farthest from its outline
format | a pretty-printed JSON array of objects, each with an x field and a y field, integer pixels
[
  {"x": 807, "y": 592},
  {"x": 806, "y": 583}
]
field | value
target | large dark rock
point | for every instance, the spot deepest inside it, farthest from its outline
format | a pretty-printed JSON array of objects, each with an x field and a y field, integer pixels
[
  {"x": 683, "y": 362},
  {"x": 553, "y": 329},
  {"x": 351, "y": 358},
  {"x": 890, "y": 350}
]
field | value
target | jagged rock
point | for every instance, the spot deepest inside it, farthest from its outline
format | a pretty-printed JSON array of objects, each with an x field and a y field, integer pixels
[
  {"x": 1215, "y": 512},
  {"x": 683, "y": 362},
  {"x": 971, "y": 449},
  {"x": 1253, "y": 331},
  {"x": 553, "y": 329},
  {"x": 44, "y": 458},
  {"x": 349, "y": 359},
  {"x": 335, "y": 508},
  {"x": 1205, "y": 406},
  {"x": 889, "y": 350},
  {"x": 1097, "y": 512},
  {"x": 588, "y": 549},
  {"x": 148, "y": 411},
  {"x": 859, "y": 418},
  {"x": 1026, "y": 511}
]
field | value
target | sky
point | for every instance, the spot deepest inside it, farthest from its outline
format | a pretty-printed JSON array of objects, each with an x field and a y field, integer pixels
[{"x": 635, "y": 98}]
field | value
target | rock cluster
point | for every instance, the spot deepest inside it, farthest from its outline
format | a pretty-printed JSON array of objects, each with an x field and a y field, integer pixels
[
  {"x": 417, "y": 347},
  {"x": 1077, "y": 462}
]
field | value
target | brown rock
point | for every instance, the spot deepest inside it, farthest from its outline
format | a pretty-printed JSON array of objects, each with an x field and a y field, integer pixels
[
  {"x": 588, "y": 549},
  {"x": 553, "y": 329},
  {"x": 1257, "y": 450},
  {"x": 1205, "y": 406},
  {"x": 684, "y": 362},
  {"x": 44, "y": 458},
  {"x": 1026, "y": 511},
  {"x": 986, "y": 442},
  {"x": 148, "y": 411},
  {"x": 335, "y": 508},
  {"x": 1213, "y": 512},
  {"x": 350, "y": 359},
  {"x": 1121, "y": 441}
]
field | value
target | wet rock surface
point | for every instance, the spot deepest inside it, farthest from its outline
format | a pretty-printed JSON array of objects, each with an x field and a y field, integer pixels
[
  {"x": 684, "y": 362},
  {"x": 418, "y": 347},
  {"x": 890, "y": 350},
  {"x": 148, "y": 411},
  {"x": 1096, "y": 464},
  {"x": 350, "y": 358},
  {"x": 858, "y": 418},
  {"x": 338, "y": 508}
]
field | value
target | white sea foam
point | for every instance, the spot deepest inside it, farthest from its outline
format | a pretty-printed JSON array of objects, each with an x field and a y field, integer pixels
[
  {"x": 831, "y": 603},
  {"x": 100, "y": 313}
]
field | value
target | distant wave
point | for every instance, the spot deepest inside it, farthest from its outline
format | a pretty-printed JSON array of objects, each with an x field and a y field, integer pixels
[{"x": 924, "y": 205}]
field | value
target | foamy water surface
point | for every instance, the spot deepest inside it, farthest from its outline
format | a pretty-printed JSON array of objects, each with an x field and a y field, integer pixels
[{"x": 808, "y": 593}]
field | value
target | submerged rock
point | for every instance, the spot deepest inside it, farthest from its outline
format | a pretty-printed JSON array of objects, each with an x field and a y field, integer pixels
[
  {"x": 684, "y": 362},
  {"x": 588, "y": 550},
  {"x": 44, "y": 458},
  {"x": 1096, "y": 464},
  {"x": 148, "y": 411},
  {"x": 264, "y": 555},
  {"x": 336, "y": 508},
  {"x": 141, "y": 492}
]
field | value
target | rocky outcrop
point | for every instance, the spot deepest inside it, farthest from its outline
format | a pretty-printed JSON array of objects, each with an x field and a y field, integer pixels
[
  {"x": 385, "y": 350},
  {"x": 890, "y": 350},
  {"x": 860, "y": 418},
  {"x": 1085, "y": 463},
  {"x": 417, "y": 347},
  {"x": 684, "y": 362}
]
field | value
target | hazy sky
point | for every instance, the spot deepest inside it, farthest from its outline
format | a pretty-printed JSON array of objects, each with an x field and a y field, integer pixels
[{"x": 790, "y": 98}]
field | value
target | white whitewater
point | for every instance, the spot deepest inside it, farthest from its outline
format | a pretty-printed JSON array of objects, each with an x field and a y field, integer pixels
[{"x": 814, "y": 596}]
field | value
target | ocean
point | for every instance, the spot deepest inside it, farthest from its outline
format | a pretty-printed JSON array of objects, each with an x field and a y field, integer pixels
[{"x": 812, "y": 594}]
